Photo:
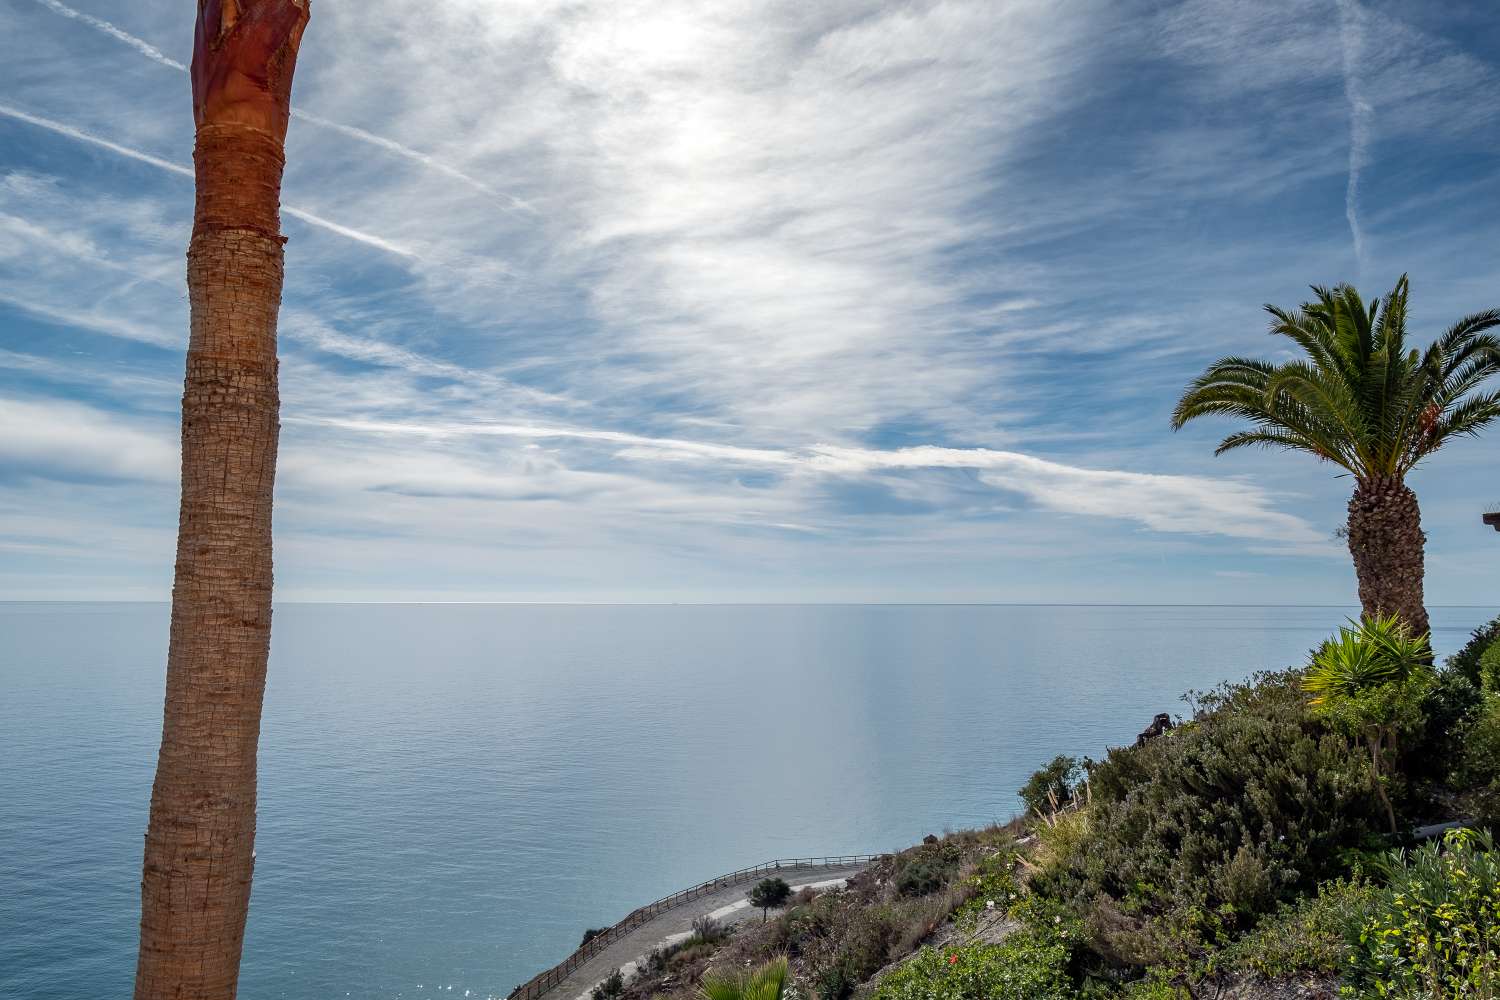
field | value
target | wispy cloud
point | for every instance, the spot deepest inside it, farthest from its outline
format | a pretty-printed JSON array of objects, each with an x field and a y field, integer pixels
[
  {"x": 151, "y": 52},
  {"x": 1361, "y": 115},
  {"x": 764, "y": 296},
  {"x": 71, "y": 132}
]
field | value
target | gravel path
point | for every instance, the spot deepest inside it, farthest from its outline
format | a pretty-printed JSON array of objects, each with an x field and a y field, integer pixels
[{"x": 728, "y": 906}]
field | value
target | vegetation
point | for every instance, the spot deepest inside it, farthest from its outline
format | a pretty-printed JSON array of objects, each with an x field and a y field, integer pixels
[
  {"x": 1362, "y": 400},
  {"x": 768, "y": 894},
  {"x": 765, "y": 983},
  {"x": 1245, "y": 852},
  {"x": 1054, "y": 786},
  {"x": 590, "y": 934},
  {"x": 1370, "y": 683},
  {"x": 200, "y": 837},
  {"x": 613, "y": 985},
  {"x": 1014, "y": 970},
  {"x": 1434, "y": 930}
]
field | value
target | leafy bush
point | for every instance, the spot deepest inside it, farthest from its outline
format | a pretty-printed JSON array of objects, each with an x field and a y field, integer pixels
[
  {"x": 590, "y": 934},
  {"x": 926, "y": 869},
  {"x": 1024, "y": 967},
  {"x": 1370, "y": 683},
  {"x": 1467, "y": 660},
  {"x": 1305, "y": 936},
  {"x": 1054, "y": 786},
  {"x": 1489, "y": 667},
  {"x": 1478, "y": 771},
  {"x": 992, "y": 886},
  {"x": 1434, "y": 931},
  {"x": 1191, "y": 837}
]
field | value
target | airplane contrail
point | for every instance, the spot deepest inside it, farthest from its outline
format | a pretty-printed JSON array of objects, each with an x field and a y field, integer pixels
[
  {"x": 1361, "y": 113},
  {"x": 78, "y": 134},
  {"x": 159, "y": 57}
]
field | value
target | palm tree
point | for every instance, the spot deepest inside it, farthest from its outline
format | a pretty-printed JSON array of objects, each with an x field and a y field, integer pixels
[
  {"x": 195, "y": 885},
  {"x": 765, "y": 983},
  {"x": 1361, "y": 400}
]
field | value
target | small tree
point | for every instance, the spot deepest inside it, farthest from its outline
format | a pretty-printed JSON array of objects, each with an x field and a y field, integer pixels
[
  {"x": 768, "y": 894},
  {"x": 1368, "y": 682},
  {"x": 1053, "y": 786}
]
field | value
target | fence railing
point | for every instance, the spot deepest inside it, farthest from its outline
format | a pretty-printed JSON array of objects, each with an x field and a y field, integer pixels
[{"x": 544, "y": 981}]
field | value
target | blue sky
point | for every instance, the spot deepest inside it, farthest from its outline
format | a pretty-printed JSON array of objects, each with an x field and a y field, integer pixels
[{"x": 747, "y": 300}]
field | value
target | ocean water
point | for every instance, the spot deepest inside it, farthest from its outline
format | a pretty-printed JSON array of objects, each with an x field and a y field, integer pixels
[{"x": 450, "y": 794}]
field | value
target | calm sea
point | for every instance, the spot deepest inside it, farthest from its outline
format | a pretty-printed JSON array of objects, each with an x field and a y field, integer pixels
[{"x": 450, "y": 794}]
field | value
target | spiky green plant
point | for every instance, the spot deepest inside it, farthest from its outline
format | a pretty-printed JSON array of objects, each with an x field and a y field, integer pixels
[
  {"x": 1361, "y": 399},
  {"x": 1379, "y": 650},
  {"x": 764, "y": 983},
  {"x": 1369, "y": 682}
]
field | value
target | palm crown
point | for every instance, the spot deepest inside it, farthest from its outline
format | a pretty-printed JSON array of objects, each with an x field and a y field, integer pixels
[{"x": 1360, "y": 398}]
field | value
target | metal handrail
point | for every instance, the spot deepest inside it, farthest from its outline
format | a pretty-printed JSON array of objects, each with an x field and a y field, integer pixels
[{"x": 544, "y": 981}]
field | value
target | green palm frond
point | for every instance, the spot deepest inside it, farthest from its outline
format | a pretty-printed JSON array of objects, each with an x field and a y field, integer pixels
[
  {"x": 767, "y": 982},
  {"x": 1378, "y": 650},
  {"x": 1360, "y": 397}
]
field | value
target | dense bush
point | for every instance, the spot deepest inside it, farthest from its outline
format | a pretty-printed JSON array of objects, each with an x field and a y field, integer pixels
[
  {"x": 1024, "y": 967},
  {"x": 926, "y": 869},
  {"x": 1198, "y": 833},
  {"x": 1467, "y": 661},
  {"x": 1305, "y": 936},
  {"x": 1434, "y": 931},
  {"x": 1054, "y": 786},
  {"x": 1478, "y": 771}
]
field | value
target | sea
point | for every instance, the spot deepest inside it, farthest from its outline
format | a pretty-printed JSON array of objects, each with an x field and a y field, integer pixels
[{"x": 450, "y": 794}]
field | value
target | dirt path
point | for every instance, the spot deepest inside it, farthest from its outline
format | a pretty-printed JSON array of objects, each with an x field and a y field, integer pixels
[{"x": 728, "y": 906}]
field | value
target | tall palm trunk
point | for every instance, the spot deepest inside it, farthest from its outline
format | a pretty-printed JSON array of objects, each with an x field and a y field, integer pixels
[
  {"x": 1386, "y": 540},
  {"x": 195, "y": 885}
]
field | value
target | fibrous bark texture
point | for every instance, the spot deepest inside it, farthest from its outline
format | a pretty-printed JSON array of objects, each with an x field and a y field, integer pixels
[
  {"x": 195, "y": 885},
  {"x": 1386, "y": 541}
]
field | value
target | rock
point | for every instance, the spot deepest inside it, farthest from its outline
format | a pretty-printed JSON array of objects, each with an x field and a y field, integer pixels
[
  {"x": 931, "y": 838},
  {"x": 1159, "y": 725}
]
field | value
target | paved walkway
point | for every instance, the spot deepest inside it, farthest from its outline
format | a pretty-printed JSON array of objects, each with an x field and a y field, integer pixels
[{"x": 728, "y": 906}]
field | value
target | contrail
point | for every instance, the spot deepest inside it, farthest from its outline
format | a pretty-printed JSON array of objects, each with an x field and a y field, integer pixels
[
  {"x": 156, "y": 55},
  {"x": 1361, "y": 115},
  {"x": 142, "y": 46},
  {"x": 80, "y": 135}
]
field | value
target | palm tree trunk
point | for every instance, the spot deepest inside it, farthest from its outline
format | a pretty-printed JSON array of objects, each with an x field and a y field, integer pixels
[
  {"x": 195, "y": 884},
  {"x": 1386, "y": 541}
]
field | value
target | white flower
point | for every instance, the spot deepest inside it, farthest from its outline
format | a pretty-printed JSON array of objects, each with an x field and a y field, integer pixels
[
  {"x": 1057, "y": 920},
  {"x": 989, "y": 904}
]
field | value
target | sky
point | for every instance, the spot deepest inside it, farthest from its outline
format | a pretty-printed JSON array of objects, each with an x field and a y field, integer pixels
[{"x": 603, "y": 300}]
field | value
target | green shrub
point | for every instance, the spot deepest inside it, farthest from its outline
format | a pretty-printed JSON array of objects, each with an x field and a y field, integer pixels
[
  {"x": 1305, "y": 936},
  {"x": 993, "y": 886},
  {"x": 1434, "y": 930},
  {"x": 1053, "y": 786},
  {"x": 1478, "y": 773},
  {"x": 1024, "y": 967},
  {"x": 1429, "y": 753},
  {"x": 926, "y": 869},
  {"x": 1467, "y": 660},
  {"x": 1195, "y": 836},
  {"x": 1489, "y": 668}
]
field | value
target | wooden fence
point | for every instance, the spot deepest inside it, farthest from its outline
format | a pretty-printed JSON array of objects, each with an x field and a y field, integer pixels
[{"x": 544, "y": 981}]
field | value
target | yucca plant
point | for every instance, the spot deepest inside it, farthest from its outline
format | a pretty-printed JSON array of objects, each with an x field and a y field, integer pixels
[
  {"x": 767, "y": 982},
  {"x": 1368, "y": 682},
  {"x": 1361, "y": 399}
]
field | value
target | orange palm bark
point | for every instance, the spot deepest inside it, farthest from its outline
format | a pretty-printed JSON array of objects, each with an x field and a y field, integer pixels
[{"x": 195, "y": 884}]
